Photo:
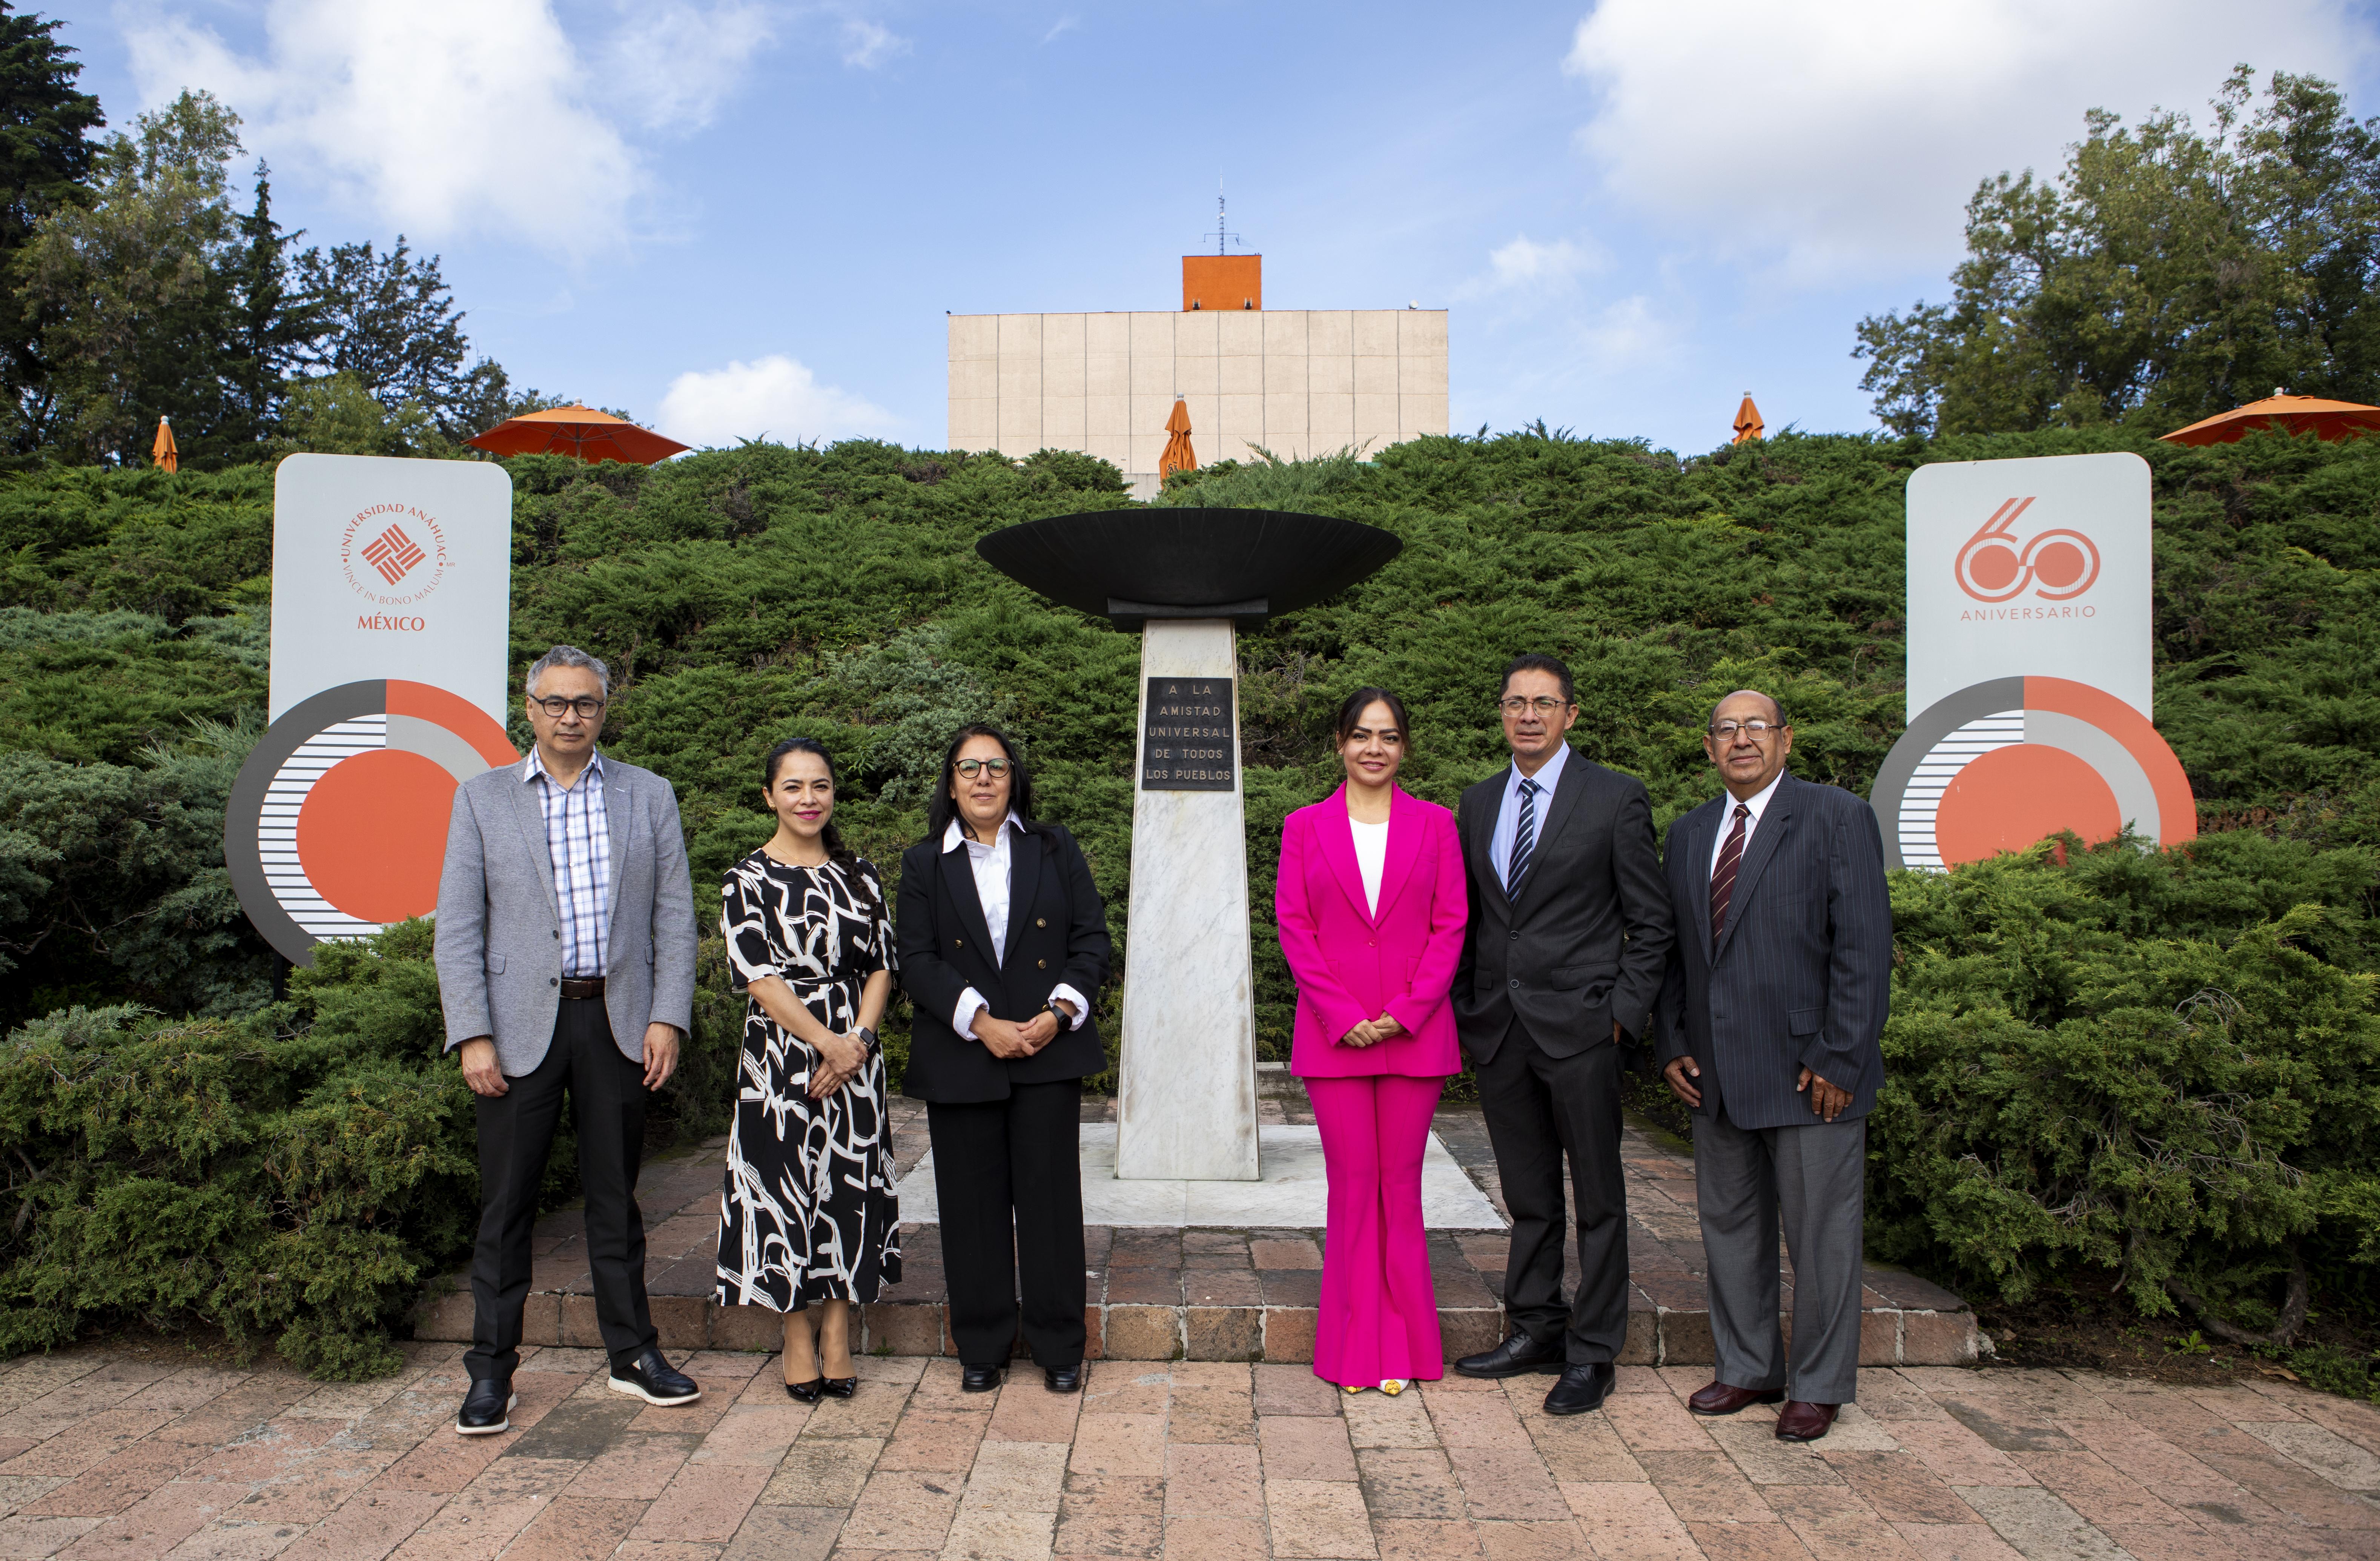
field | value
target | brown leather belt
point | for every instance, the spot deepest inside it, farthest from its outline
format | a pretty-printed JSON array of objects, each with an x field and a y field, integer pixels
[{"x": 582, "y": 986}]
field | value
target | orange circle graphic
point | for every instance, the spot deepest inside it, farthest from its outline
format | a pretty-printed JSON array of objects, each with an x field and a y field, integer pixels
[
  {"x": 1994, "y": 566},
  {"x": 2060, "y": 564},
  {"x": 372, "y": 834},
  {"x": 2010, "y": 797}
]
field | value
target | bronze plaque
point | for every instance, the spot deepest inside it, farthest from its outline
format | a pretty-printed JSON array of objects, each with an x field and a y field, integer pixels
[{"x": 1187, "y": 741}]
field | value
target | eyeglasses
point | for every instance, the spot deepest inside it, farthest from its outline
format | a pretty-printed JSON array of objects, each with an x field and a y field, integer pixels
[
  {"x": 588, "y": 707},
  {"x": 1544, "y": 705},
  {"x": 1726, "y": 730},
  {"x": 971, "y": 768}
]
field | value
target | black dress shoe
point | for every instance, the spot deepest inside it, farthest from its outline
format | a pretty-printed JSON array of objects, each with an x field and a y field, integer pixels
[
  {"x": 1064, "y": 1379},
  {"x": 651, "y": 1379},
  {"x": 808, "y": 1392},
  {"x": 979, "y": 1379},
  {"x": 840, "y": 1387},
  {"x": 1517, "y": 1355},
  {"x": 488, "y": 1407},
  {"x": 1582, "y": 1388}
]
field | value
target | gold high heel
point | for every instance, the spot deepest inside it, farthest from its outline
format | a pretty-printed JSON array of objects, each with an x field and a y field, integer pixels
[
  {"x": 1393, "y": 1386},
  {"x": 1351, "y": 1389}
]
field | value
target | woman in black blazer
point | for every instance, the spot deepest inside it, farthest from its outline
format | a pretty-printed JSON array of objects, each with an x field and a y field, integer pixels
[{"x": 1004, "y": 946}]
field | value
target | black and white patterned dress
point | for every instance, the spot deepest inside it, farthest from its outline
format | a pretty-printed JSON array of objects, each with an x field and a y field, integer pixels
[{"x": 809, "y": 1213}]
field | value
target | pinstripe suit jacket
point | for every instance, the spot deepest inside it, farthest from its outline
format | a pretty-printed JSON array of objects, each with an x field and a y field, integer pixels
[{"x": 1801, "y": 974}]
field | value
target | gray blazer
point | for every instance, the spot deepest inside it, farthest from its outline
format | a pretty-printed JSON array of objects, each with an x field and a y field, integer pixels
[
  {"x": 1802, "y": 974},
  {"x": 499, "y": 932}
]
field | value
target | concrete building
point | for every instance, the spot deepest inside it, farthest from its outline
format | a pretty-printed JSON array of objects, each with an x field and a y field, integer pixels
[{"x": 1299, "y": 382}]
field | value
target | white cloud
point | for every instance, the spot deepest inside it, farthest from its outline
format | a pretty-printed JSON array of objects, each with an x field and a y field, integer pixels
[
  {"x": 774, "y": 396},
  {"x": 1628, "y": 333},
  {"x": 1069, "y": 23},
  {"x": 1527, "y": 266},
  {"x": 1843, "y": 137},
  {"x": 445, "y": 117},
  {"x": 868, "y": 45}
]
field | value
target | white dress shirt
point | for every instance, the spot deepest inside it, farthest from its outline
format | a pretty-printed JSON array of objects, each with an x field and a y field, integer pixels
[
  {"x": 1758, "y": 802},
  {"x": 1508, "y": 818},
  {"x": 990, "y": 865},
  {"x": 1371, "y": 859}
]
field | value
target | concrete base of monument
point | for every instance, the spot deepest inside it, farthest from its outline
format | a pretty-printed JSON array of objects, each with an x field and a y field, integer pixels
[{"x": 1290, "y": 1195}]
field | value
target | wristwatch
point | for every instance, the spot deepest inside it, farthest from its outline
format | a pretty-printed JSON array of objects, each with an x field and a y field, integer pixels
[{"x": 867, "y": 1039}]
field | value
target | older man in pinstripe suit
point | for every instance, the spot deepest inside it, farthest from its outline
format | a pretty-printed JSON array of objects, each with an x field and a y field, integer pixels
[{"x": 1775, "y": 997}]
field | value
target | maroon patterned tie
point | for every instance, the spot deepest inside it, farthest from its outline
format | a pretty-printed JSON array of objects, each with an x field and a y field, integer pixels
[{"x": 1730, "y": 857}]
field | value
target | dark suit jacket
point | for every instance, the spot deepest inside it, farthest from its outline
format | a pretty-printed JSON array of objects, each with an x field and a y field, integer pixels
[
  {"x": 1057, "y": 932},
  {"x": 1802, "y": 974},
  {"x": 1585, "y": 943}
]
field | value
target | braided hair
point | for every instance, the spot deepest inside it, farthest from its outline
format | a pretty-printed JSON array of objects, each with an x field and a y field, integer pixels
[{"x": 837, "y": 852}]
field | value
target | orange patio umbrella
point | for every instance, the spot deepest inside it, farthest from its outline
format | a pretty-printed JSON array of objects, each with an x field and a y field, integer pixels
[
  {"x": 1748, "y": 421},
  {"x": 578, "y": 430},
  {"x": 2299, "y": 414},
  {"x": 1178, "y": 456},
  {"x": 162, "y": 454}
]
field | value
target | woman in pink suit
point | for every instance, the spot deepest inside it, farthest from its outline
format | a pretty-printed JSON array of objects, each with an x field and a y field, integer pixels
[{"x": 1371, "y": 908}]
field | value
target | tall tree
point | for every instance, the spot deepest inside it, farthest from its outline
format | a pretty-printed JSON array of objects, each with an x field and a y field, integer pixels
[
  {"x": 272, "y": 324},
  {"x": 2164, "y": 275},
  {"x": 391, "y": 322},
  {"x": 46, "y": 158}
]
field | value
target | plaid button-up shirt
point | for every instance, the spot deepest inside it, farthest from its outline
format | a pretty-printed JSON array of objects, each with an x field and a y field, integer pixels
[{"x": 578, "y": 839}]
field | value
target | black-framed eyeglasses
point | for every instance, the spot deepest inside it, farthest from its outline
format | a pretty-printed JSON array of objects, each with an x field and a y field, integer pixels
[
  {"x": 588, "y": 706},
  {"x": 1544, "y": 705},
  {"x": 971, "y": 768},
  {"x": 1757, "y": 730}
]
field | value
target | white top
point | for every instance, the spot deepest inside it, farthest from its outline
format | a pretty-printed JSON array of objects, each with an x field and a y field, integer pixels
[
  {"x": 991, "y": 866},
  {"x": 1757, "y": 803},
  {"x": 1508, "y": 818},
  {"x": 1371, "y": 859}
]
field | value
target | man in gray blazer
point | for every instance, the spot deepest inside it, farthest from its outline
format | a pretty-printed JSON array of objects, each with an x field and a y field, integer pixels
[
  {"x": 566, "y": 961},
  {"x": 1563, "y": 958},
  {"x": 1771, "y": 1009}
]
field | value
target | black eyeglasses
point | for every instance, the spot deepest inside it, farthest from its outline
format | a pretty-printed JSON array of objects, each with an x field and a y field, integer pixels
[
  {"x": 971, "y": 768},
  {"x": 588, "y": 707}
]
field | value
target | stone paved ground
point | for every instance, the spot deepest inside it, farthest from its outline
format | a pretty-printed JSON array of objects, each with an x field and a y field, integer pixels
[{"x": 127, "y": 1455}]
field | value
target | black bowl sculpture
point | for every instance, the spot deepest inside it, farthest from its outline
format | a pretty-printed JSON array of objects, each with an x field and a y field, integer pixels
[{"x": 1129, "y": 566}]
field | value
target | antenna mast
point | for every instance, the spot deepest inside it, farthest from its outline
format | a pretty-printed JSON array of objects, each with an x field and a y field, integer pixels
[{"x": 1224, "y": 236}]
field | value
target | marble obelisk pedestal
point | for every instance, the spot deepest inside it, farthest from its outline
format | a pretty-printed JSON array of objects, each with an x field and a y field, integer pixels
[{"x": 1187, "y": 1105}]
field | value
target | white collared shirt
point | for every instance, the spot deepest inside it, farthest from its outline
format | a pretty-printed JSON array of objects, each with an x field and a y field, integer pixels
[
  {"x": 578, "y": 843},
  {"x": 991, "y": 866},
  {"x": 1758, "y": 802},
  {"x": 1508, "y": 818}
]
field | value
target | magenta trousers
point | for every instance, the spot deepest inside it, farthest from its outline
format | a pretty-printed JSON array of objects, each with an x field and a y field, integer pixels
[{"x": 1379, "y": 1314}]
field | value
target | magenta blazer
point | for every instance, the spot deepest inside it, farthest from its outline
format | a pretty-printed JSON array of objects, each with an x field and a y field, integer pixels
[{"x": 1350, "y": 965}]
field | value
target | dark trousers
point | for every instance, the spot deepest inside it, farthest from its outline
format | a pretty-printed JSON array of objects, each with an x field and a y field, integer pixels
[
  {"x": 1540, "y": 1108},
  {"x": 1009, "y": 1177},
  {"x": 607, "y": 1099}
]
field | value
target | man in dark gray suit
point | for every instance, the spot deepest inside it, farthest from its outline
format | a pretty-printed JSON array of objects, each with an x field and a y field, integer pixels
[
  {"x": 566, "y": 961},
  {"x": 1774, "y": 999},
  {"x": 1569, "y": 931}
]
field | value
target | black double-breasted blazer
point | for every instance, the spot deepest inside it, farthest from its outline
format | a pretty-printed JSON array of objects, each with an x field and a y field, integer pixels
[
  {"x": 1584, "y": 942},
  {"x": 1057, "y": 933},
  {"x": 1801, "y": 974}
]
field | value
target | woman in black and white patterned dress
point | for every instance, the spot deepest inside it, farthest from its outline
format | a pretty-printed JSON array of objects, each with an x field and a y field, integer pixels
[{"x": 809, "y": 1217}]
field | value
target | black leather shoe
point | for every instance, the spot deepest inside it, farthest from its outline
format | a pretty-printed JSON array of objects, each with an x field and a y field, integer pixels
[
  {"x": 1582, "y": 1388},
  {"x": 808, "y": 1392},
  {"x": 651, "y": 1380},
  {"x": 1064, "y": 1379},
  {"x": 1516, "y": 1357},
  {"x": 840, "y": 1387},
  {"x": 488, "y": 1407},
  {"x": 979, "y": 1379}
]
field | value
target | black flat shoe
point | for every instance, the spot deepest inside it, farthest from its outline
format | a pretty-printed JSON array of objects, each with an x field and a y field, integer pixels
[
  {"x": 1582, "y": 1388},
  {"x": 806, "y": 1392},
  {"x": 1517, "y": 1355},
  {"x": 1063, "y": 1379},
  {"x": 979, "y": 1379},
  {"x": 651, "y": 1378},
  {"x": 486, "y": 1408},
  {"x": 840, "y": 1387}
]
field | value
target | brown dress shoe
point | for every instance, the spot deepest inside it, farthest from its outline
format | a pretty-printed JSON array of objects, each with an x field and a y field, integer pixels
[
  {"x": 1804, "y": 1423},
  {"x": 1721, "y": 1399}
]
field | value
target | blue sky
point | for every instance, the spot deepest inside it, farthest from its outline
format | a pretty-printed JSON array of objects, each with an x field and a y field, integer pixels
[{"x": 739, "y": 218}]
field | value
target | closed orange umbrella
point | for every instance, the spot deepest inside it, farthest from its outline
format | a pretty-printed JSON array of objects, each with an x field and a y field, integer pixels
[
  {"x": 162, "y": 454},
  {"x": 2299, "y": 414},
  {"x": 1178, "y": 456},
  {"x": 1748, "y": 421},
  {"x": 578, "y": 430}
]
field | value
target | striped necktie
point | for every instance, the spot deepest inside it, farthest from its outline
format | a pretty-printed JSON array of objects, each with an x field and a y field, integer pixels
[
  {"x": 1730, "y": 857},
  {"x": 1524, "y": 839}
]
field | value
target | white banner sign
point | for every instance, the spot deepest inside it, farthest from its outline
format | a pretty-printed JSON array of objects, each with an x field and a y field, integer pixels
[
  {"x": 2029, "y": 568},
  {"x": 391, "y": 568}
]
